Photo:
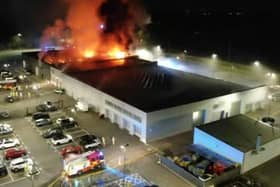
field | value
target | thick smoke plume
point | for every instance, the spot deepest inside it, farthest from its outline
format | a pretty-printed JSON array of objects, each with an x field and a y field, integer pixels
[{"x": 95, "y": 29}]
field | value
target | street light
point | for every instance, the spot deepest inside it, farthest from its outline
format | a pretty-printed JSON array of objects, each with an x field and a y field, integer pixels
[
  {"x": 257, "y": 63},
  {"x": 269, "y": 97},
  {"x": 214, "y": 56},
  {"x": 158, "y": 47},
  {"x": 123, "y": 148},
  {"x": 273, "y": 75}
]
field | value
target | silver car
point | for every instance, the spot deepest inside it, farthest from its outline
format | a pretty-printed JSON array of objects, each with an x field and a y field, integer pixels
[{"x": 5, "y": 129}]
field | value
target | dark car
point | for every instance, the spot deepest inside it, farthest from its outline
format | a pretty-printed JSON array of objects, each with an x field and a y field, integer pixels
[
  {"x": 40, "y": 115},
  {"x": 66, "y": 122},
  {"x": 46, "y": 107},
  {"x": 3, "y": 169},
  {"x": 90, "y": 141},
  {"x": 59, "y": 90},
  {"x": 6, "y": 74},
  {"x": 43, "y": 122},
  {"x": 242, "y": 181},
  {"x": 52, "y": 132},
  {"x": 10, "y": 99},
  {"x": 4, "y": 114}
]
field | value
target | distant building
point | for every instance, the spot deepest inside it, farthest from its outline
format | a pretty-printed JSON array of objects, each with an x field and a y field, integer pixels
[{"x": 150, "y": 101}]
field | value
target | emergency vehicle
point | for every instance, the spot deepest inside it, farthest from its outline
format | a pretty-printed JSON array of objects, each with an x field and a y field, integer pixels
[{"x": 82, "y": 163}]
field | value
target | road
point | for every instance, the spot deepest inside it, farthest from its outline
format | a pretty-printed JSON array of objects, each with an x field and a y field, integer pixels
[{"x": 248, "y": 75}]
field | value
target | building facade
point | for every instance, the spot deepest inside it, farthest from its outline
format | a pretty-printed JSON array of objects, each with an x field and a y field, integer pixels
[{"x": 154, "y": 125}]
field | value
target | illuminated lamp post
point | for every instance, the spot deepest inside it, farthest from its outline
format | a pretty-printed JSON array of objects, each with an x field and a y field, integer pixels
[
  {"x": 257, "y": 63},
  {"x": 123, "y": 149},
  {"x": 214, "y": 56}
]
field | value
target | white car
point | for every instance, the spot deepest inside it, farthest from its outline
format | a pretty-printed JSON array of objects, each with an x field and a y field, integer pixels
[
  {"x": 60, "y": 139},
  {"x": 20, "y": 163},
  {"x": 8, "y": 142},
  {"x": 5, "y": 128}
]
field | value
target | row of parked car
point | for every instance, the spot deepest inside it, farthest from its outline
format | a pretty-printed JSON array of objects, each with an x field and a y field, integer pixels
[
  {"x": 56, "y": 132},
  {"x": 15, "y": 156}
]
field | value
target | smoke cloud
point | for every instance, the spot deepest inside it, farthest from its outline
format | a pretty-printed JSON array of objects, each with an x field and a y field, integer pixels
[{"x": 97, "y": 27}]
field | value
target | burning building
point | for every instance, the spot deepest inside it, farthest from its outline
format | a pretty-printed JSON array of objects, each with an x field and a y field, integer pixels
[
  {"x": 94, "y": 29},
  {"x": 149, "y": 101}
]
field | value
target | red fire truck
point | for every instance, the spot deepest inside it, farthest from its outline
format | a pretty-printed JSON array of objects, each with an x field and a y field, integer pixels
[
  {"x": 82, "y": 163},
  {"x": 8, "y": 84}
]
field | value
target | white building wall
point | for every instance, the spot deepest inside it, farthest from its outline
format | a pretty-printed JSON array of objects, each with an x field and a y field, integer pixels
[
  {"x": 126, "y": 116},
  {"x": 202, "y": 138},
  {"x": 169, "y": 127},
  {"x": 214, "y": 108},
  {"x": 163, "y": 123},
  {"x": 253, "y": 160}
]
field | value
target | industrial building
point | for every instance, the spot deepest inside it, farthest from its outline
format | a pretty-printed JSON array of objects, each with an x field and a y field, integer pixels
[
  {"x": 150, "y": 101},
  {"x": 240, "y": 139}
]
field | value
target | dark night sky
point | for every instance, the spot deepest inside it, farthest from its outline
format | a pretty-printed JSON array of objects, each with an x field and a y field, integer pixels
[
  {"x": 28, "y": 15},
  {"x": 254, "y": 33}
]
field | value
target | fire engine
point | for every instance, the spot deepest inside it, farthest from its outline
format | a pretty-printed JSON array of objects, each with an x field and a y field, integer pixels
[
  {"x": 8, "y": 84},
  {"x": 82, "y": 163}
]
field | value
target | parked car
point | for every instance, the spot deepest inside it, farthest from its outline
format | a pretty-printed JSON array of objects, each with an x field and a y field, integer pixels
[
  {"x": 71, "y": 149},
  {"x": 10, "y": 99},
  {"x": 5, "y": 129},
  {"x": 19, "y": 164},
  {"x": 90, "y": 141},
  {"x": 205, "y": 177},
  {"x": 46, "y": 107},
  {"x": 3, "y": 169},
  {"x": 43, "y": 122},
  {"x": 61, "y": 139},
  {"x": 6, "y": 74},
  {"x": 4, "y": 114},
  {"x": 242, "y": 181},
  {"x": 82, "y": 106},
  {"x": 40, "y": 115},
  {"x": 66, "y": 122},
  {"x": 8, "y": 143},
  {"x": 27, "y": 72},
  {"x": 59, "y": 90},
  {"x": 52, "y": 132},
  {"x": 15, "y": 153}
]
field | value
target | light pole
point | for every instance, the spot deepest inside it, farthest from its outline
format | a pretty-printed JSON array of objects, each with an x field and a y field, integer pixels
[
  {"x": 269, "y": 97},
  {"x": 214, "y": 56},
  {"x": 31, "y": 171},
  {"x": 257, "y": 63},
  {"x": 123, "y": 148}
]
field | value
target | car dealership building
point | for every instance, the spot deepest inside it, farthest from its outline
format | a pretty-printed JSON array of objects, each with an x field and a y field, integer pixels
[{"x": 150, "y": 101}]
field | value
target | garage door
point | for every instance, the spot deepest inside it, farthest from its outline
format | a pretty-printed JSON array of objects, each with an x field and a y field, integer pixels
[{"x": 235, "y": 108}]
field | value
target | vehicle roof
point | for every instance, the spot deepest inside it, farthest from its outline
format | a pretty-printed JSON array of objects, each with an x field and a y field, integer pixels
[
  {"x": 88, "y": 136},
  {"x": 17, "y": 160}
]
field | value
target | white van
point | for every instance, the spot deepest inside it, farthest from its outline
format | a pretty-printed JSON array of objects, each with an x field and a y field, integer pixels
[{"x": 81, "y": 106}]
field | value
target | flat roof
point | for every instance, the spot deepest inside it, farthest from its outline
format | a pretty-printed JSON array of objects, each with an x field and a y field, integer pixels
[
  {"x": 150, "y": 87},
  {"x": 240, "y": 132},
  {"x": 145, "y": 85}
]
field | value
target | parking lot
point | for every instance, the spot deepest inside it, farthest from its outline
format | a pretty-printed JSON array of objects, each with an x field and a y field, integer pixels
[
  {"x": 21, "y": 174},
  {"x": 34, "y": 91}
]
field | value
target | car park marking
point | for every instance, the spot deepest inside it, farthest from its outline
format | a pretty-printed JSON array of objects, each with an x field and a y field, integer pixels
[
  {"x": 14, "y": 181},
  {"x": 10, "y": 175}
]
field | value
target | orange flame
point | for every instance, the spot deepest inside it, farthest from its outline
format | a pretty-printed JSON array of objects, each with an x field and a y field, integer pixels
[
  {"x": 89, "y": 54},
  {"x": 94, "y": 29}
]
